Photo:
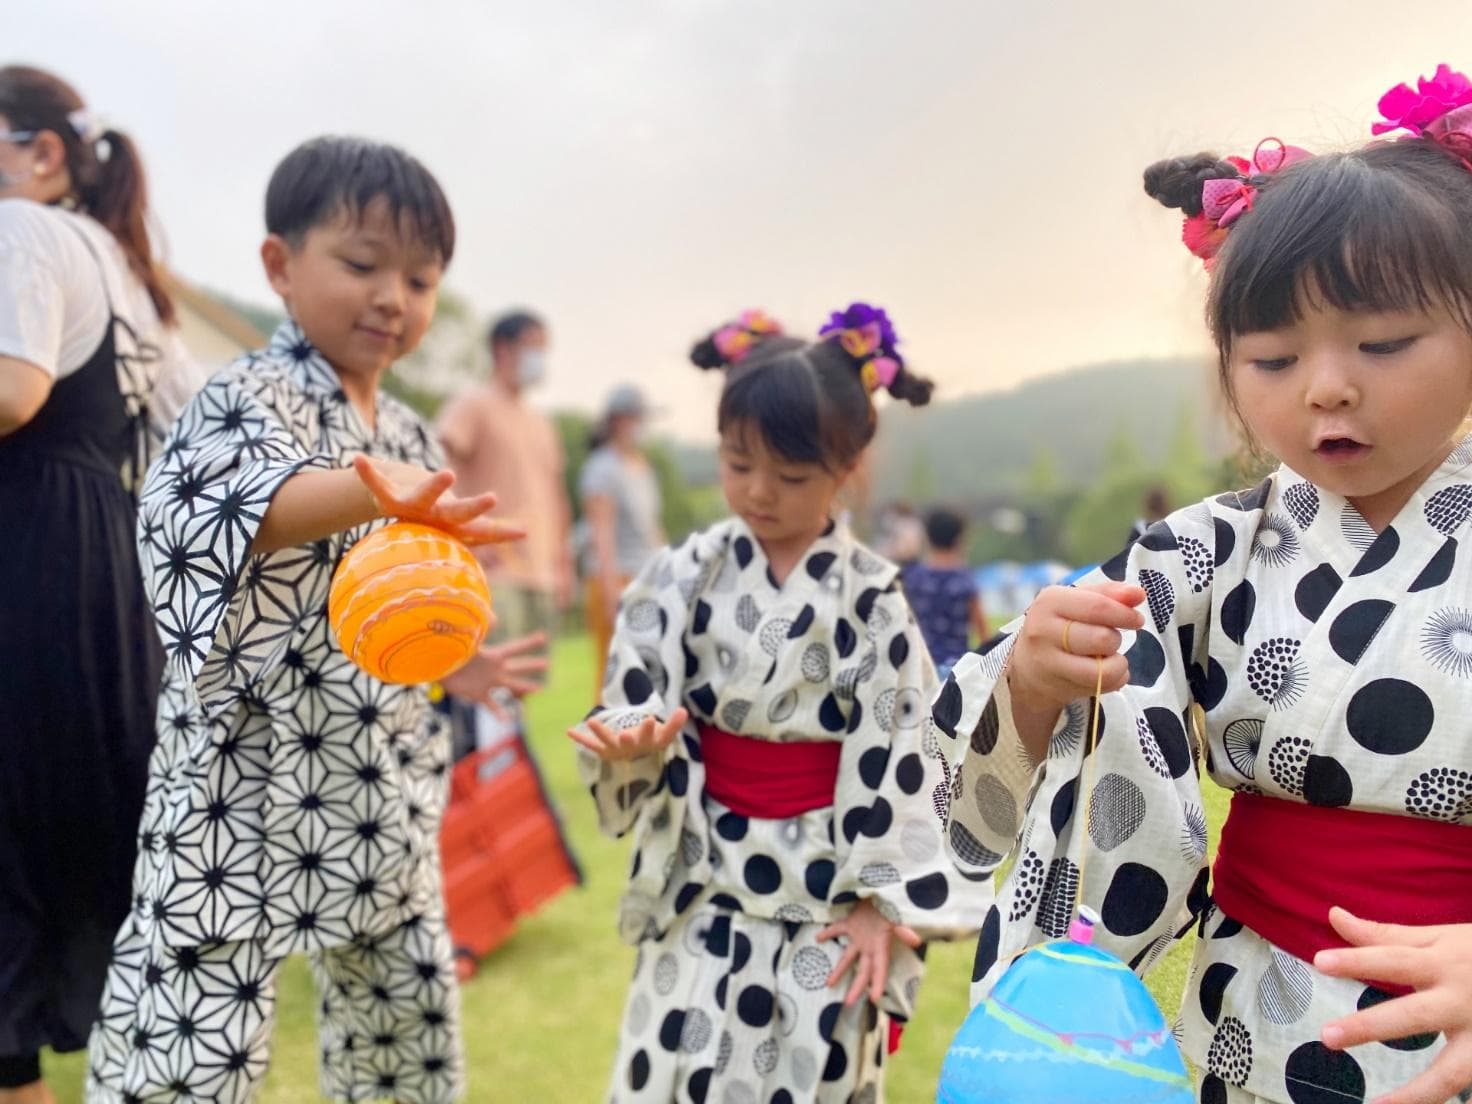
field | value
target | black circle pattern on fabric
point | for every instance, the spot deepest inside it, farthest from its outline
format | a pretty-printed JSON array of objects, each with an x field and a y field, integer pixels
[
  {"x": 1373, "y": 996},
  {"x": 1059, "y": 894},
  {"x": 1237, "y": 610},
  {"x": 1230, "y": 1054},
  {"x": 1439, "y": 570},
  {"x": 1136, "y": 899},
  {"x": 1314, "y": 1074},
  {"x": 1212, "y": 990},
  {"x": 1390, "y": 716},
  {"x": 1316, "y": 590},
  {"x": 1326, "y": 783},
  {"x": 1355, "y": 627},
  {"x": 1442, "y": 793}
]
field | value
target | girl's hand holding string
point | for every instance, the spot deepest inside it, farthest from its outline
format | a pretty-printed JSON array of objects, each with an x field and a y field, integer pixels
[
  {"x": 649, "y": 736},
  {"x": 1436, "y": 961},
  {"x": 1066, "y": 634},
  {"x": 869, "y": 937}
]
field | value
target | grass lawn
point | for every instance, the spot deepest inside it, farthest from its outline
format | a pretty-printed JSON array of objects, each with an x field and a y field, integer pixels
[{"x": 542, "y": 1015}]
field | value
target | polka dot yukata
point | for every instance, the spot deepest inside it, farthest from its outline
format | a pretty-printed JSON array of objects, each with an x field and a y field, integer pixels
[
  {"x": 729, "y": 1002},
  {"x": 293, "y": 801},
  {"x": 1334, "y": 666}
]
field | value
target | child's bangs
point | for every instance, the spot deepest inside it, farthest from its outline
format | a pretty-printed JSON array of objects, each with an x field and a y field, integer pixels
[
  {"x": 1336, "y": 234},
  {"x": 775, "y": 400}
]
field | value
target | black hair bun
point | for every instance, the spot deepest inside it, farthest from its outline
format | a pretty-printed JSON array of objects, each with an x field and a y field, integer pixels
[
  {"x": 910, "y": 388},
  {"x": 704, "y": 354},
  {"x": 1176, "y": 182}
]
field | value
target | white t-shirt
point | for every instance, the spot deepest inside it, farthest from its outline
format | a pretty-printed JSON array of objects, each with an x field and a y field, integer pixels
[{"x": 53, "y": 312}]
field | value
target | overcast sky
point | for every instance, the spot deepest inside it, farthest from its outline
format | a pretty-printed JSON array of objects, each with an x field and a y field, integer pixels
[{"x": 640, "y": 169}]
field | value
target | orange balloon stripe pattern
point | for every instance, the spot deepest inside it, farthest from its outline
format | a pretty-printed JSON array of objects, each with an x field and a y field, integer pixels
[{"x": 409, "y": 604}]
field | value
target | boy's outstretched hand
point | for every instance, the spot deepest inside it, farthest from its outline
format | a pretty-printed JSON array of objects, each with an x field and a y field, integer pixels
[
  {"x": 510, "y": 666},
  {"x": 410, "y": 493}
]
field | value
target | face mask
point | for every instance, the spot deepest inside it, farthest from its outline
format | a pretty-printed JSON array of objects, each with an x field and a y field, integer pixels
[
  {"x": 7, "y": 181},
  {"x": 531, "y": 367}
]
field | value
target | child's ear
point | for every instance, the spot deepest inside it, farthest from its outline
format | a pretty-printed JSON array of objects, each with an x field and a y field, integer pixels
[{"x": 276, "y": 254}]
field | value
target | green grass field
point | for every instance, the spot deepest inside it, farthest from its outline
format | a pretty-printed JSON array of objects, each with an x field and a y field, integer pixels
[{"x": 541, "y": 1017}]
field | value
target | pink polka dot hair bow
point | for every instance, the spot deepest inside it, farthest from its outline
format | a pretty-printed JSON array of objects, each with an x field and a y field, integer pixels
[{"x": 1226, "y": 199}]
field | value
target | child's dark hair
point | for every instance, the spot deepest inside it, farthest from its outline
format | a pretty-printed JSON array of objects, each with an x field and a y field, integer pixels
[
  {"x": 326, "y": 177},
  {"x": 1382, "y": 228},
  {"x": 943, "y": 528},
  {"x": 105, "y": 169},
  {"x": 509, "y": 327},
  {"x": 808, "y": 401}
]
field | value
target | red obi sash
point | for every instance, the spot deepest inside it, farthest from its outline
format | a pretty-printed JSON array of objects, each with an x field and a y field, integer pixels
[
  {"x": 1282, "y": 864},
  {"x": 759, "y": 778}
]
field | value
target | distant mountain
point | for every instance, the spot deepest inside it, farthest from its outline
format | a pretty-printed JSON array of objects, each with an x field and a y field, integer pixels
[{"x": 986, "y": 446}]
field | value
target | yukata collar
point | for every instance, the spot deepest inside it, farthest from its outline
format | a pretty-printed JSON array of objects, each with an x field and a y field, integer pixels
[{"x": 308, "y": 366}]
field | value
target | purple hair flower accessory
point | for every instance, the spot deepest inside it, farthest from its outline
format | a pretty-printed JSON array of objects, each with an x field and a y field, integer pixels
[{"x": 867, "y": 335}]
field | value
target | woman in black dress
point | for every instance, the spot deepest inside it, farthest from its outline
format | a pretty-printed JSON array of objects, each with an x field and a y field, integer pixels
[{"x": 85, "y": 333}]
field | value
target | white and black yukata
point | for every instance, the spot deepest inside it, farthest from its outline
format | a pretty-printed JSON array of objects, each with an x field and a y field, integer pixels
[
  {"x": 79, "y": 656},
  {"x": 1334, "y": 666},
  {"x": 729, "y": 1001},
  {"x": 293, "y": 801}
]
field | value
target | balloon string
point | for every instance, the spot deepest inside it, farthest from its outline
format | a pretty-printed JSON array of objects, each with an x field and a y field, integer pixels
[{"x": 1090, "y": 751}]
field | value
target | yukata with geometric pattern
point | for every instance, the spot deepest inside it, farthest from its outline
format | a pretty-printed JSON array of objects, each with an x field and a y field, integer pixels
[
  {"x": 1334, "y": 668},
  {"x": 293, "y": 801},
  {"x": 730, "y": 1000}
]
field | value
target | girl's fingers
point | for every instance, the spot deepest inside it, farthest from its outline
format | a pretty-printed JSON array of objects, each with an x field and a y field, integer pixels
[
  {"x": 1096, "y": 607},
  {"x": 520, "y": 687},
  {"x": 602, "y": 731},
  {"x": 1393, "y": 1019},
  {"x": 1089, "y": 641},
  {"x": 860, "y": 982},
  {"x": 1446, "y": 1077},
  {"x": 1402, "y": 965},
  {"x": 879, "y": 973},
  {"x": 592, "y": 743},
  {"x": 908, "y": 936},
  {"x": 674, "y": 724},
  {"x": 1363, "y": 933},
  {"x": 847, "y": 959}
]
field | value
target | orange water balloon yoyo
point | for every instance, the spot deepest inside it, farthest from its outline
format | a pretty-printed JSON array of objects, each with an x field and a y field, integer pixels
[{"x": 409, "y": 604}]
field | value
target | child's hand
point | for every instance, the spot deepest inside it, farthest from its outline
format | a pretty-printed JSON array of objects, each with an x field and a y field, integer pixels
[
  {"x": 648, "y": 737},
  {"x": 412, "y": 494},
  {"x": 507, "y": 666},
  {"x": 869, "y": 935},
  {"x": 1437, "y": 962},
  {"x": 1056, "y": 658}
]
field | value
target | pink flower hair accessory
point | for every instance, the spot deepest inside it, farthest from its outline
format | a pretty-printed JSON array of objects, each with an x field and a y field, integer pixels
[
  {"x": 735, "y": 340},
  {"x": 1434, "y": 107}
]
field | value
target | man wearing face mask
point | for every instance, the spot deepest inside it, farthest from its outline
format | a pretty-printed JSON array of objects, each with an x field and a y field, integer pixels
[{"x": 496, "y": 441}]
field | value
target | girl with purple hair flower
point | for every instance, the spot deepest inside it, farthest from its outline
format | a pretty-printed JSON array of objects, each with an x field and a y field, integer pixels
[{"x": 762, "y": 732}]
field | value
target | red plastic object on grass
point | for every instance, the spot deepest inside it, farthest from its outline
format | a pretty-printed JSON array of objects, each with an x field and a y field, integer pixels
[{"x": 501, "y": 845}]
